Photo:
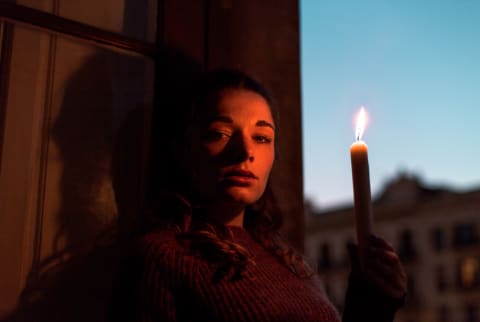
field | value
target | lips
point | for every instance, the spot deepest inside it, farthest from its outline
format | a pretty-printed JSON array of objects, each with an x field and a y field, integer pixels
[
  {"x": 240, "y": 173},
  {"x": 239, "y": 177}
]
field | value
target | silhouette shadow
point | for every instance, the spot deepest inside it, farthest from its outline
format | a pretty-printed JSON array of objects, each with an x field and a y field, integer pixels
[{"x": 100, "y": 134}]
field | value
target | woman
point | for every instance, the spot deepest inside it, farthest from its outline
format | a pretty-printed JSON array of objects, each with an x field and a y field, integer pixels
[{"x": 217, "y": 254}]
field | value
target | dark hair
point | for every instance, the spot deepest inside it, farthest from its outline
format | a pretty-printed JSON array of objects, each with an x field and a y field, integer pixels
[
  {"x": 215, "y": 82},
  {"x": 262, "y": 219}
]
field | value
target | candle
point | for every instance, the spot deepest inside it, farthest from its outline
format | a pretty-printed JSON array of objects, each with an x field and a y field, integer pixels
[{"x": 361, "y": 186}]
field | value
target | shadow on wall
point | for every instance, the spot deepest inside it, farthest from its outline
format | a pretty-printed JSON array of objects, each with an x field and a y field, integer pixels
[{"x": 100, "y": 135}]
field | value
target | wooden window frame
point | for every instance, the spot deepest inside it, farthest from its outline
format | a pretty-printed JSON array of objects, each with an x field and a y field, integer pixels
[
  {"x": 14, "y": 14},
  {"x": 19, "y": 14}
]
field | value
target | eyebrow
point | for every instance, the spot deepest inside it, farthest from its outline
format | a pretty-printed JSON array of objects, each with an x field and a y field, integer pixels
[
  {"x": 265, "y": 123},
  {"x": 226, "y": 119}
]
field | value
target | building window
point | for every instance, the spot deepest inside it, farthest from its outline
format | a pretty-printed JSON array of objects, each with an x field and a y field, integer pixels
[
  {"x": 465, "y": 234},
  {"x": 438, "y": 239},
  {"x": 324, "y": 259},
  {"x": 468, "y": 273},
  {"x": 441, "y": 279},
  {"x": 407, "y": 250}
]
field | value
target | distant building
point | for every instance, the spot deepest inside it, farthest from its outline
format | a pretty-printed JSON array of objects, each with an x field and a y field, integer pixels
[{"x": 435, "y": 231}]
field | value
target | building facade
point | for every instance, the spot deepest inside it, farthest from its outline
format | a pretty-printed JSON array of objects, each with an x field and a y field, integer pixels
[{"x": 436, "y": 233}]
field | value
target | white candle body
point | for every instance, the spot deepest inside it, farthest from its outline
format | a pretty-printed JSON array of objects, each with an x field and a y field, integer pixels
[{"x": 361, "y": 194}]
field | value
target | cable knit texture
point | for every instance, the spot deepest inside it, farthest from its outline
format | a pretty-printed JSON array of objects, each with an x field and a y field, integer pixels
[
  {"x": 165, "y": 281},
  {"x": 172, "y": 284}
]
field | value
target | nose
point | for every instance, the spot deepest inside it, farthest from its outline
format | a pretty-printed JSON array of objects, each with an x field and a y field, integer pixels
[{"x": 243, "y": 148}]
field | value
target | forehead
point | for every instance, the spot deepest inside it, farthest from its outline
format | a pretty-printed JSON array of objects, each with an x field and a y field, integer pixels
[{"x": 240, "y": 102}]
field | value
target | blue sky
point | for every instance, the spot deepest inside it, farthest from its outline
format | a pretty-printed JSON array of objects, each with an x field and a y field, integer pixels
[{"x": 415, "y": 66}]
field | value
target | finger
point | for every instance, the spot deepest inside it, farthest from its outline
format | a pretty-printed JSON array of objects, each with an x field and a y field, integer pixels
[
  {"x": 393, "y": 273},
  {"x": 378, "y": 242},
  {"x": 388, "y": 257},
  {"x": 390, "y": 280},
  {"x": 394, "y": 290},
  {"x": 385, "y": 286},
  {"x": 386, "y": 262}
]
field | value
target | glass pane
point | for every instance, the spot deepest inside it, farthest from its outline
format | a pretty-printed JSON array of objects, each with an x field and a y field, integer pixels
[
  {"x": 132, "y": 18},
  {"x": 99, "y": 101},
  {"x": 73, "y": 152},
  {"x": 18, "y": 177}
]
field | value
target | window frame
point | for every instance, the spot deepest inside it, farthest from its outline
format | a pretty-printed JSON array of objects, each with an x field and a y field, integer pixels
[{"x": 14, "y": 14}]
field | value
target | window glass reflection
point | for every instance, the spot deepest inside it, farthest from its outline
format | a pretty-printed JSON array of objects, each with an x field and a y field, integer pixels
[{"x": 132, "y": 18}]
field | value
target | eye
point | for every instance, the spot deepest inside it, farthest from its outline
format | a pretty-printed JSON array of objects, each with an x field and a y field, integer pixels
[
  {"x": 213, "y": 135},
  {"x": 263, "y": 138}
]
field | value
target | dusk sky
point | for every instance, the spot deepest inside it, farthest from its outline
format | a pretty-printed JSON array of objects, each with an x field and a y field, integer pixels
[{"x": 415, "y": 66}]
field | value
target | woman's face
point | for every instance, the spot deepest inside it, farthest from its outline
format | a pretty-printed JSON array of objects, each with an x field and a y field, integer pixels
[{"x": 233, "y": 148}]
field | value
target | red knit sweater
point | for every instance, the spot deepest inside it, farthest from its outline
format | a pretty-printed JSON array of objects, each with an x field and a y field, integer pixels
[{"x": 175, "y": 285}]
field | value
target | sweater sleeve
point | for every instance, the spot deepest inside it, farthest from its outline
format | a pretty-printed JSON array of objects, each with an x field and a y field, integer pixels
[{"x": 365, "y": 303}]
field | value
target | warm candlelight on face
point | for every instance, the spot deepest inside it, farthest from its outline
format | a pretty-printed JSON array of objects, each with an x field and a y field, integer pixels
[{"x": 361, "y": 185}]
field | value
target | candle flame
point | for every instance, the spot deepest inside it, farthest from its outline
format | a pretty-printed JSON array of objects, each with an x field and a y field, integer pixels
[{"x": 361, "y": 122}]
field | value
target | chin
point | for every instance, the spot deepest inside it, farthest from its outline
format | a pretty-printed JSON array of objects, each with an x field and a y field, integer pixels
[{"x": 240, "y": 196}]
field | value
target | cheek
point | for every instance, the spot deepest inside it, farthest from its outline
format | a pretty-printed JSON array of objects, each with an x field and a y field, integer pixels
[
  {"x": 211, "y": 150},
  {"x": 204, "y": 152},
  {"x": 268, "y": 164}
]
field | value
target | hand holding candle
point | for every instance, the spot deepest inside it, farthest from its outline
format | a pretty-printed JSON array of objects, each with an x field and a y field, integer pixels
[{"x": 361, "y": 187}]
